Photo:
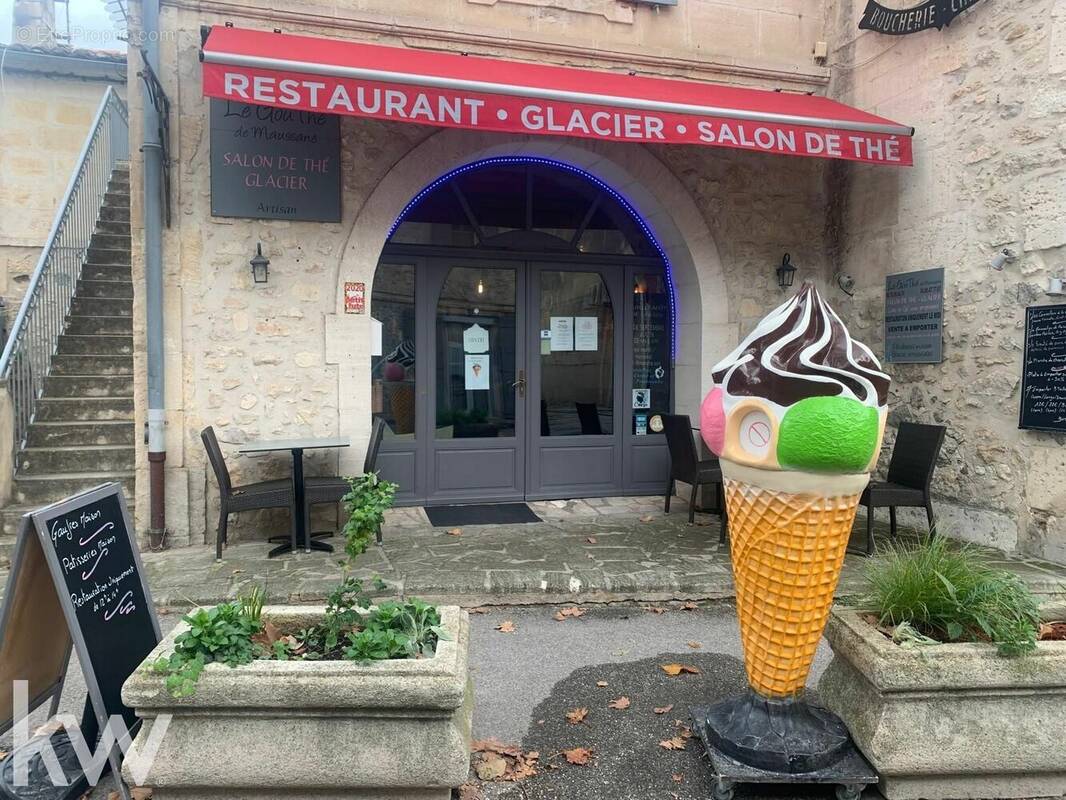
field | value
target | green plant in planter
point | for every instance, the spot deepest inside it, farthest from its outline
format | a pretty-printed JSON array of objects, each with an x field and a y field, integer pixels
[
  {"x": 947, "y": 591},
  {"x": 220, "y": 634},
  {"x": 366, "y": 503}
]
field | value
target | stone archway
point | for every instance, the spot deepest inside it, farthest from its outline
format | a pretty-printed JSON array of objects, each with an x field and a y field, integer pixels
[{"x": 630, "y": 169}]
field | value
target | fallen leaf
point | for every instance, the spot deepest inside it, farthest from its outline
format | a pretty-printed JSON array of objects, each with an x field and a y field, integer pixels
[
  {"x": 576, "y": 715},
  {"x": 578, "y": 755},
  {"x": 591, "y": 540},
  {"x": 688, "y": 605},
  {"x": 491, "y": 767},
  {"x": 619, "y": 703},
  {"x": 140, "y": 792},
  {"x": 694, "y": 645},
  {"x": 506, "y": 626},
  {"x": 686, "y": 731},
  {"x": 656, "y": 609},
  {"x": 494, "y": 746},
  {"x": 677, "y": 776},
  {"x": 673, "y": 670},
  {"x": 565, "y": 613},
  {"x": 478, "y": 610},
  {"x": 676, "y": 743},
  {"x": 602, "y": 684},
  {"x": 664, "y": 709},
  {"x": 454, "y": 531},
  {"x": 470, "y": 791},
  {"x": 647, "y": 518}
]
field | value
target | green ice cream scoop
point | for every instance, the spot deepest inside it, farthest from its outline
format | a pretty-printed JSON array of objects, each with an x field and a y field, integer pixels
[{"x": 828, "y": 434}]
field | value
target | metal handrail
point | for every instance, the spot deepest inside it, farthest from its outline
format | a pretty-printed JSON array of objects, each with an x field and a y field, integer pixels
[{"x": 41, "y": 317}]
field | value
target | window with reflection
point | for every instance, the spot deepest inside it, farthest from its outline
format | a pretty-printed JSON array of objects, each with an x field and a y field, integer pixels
[
  {"x": 652, "y": 366},
  {"x": 577, "y": 362},
  {"x": 475, "y": 341},
  {"x": 392, "y": 374}
]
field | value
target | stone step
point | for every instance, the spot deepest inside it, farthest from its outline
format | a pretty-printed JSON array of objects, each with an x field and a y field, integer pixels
[
  {"x": 99, "y": 345},
  {"x": 115, "y": 273},
  {"x": 106, "y": 255},
  {"x": 115, "y": 227},
  {"x": 74, "y": 434},
  {"x": 109, "y": 241},
  {"x": 117, "y": 198},
  {"x": 84, "y": 409},
  {"x": 92, "y": 365},
  {"x": 91, "y": 288},
  {"x": 91, "y": 326},
  {"x": 119, "y": 213},
  {"x": 88, "y": 386},
  {"x": 102, "y": 307},
  {"x": 41, "y": 490},
  {"x": 79, "y": 458}
]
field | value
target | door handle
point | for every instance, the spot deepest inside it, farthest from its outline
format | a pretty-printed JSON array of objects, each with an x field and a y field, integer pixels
[{"x": 520, "y": 384}]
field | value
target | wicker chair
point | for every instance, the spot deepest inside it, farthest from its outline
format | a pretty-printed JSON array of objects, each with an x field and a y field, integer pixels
[
  {"x": 233, "y": 499},
  {"x": 910, "y": 476},
  {"x": 686, "y": 466},
  {"x": 332, "y": 489}
]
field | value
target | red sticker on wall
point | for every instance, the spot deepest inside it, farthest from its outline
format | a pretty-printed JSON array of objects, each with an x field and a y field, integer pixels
[{"x": 354, "y": 298}]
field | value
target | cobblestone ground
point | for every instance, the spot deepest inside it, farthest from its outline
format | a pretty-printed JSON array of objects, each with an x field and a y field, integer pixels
[{"x": 599, "y": 549}]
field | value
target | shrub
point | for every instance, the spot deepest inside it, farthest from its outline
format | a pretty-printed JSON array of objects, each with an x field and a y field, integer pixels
[
  {"x": 366, "y": 503},
  {"x": 948, "y": 591}
]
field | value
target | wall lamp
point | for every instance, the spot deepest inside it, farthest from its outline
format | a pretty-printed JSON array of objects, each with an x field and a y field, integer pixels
[
  {"x": 260, "y": 265},
  {"x": 1004, "y": 256},
  {"x": 1056, "y": 287},
  {"x": 786, "y": 273}
]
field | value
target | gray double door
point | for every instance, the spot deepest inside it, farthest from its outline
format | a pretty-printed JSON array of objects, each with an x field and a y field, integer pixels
[{"x": 523, "y": 387}]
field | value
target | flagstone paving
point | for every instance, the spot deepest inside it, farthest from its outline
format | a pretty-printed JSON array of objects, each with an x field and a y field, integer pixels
[{"x": 602, "y": 549}]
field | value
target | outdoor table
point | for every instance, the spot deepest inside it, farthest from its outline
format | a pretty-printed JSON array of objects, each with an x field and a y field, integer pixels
[{"x": 297, "y": 447}]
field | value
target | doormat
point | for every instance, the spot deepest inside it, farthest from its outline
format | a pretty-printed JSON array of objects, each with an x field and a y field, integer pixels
[{"x": 483, "y": 514}]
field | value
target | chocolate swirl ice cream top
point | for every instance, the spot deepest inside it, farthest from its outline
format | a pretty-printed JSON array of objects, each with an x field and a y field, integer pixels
[{"x": 798, "y": 393}]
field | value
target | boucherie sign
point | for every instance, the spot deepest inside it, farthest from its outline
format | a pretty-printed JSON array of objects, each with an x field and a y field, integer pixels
[
  {"x": 898, "y": 21},
  {"x": 447, "y": 90}
]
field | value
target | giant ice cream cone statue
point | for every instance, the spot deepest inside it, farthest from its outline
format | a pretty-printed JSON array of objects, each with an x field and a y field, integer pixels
[{"x": 796, "y": 416}]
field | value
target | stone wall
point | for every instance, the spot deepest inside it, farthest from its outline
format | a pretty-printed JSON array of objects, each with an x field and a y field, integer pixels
[
  {"x": 988, "y": 98},
  {"x": 43, "y": 126},
  {"x": 277, "y": 360}
]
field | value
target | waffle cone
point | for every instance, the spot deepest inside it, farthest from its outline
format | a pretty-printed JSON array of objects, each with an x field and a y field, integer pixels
[{"x": 787, "y": 550}]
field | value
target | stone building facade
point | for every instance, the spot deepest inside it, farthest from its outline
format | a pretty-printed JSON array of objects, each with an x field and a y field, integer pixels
[
  {"x": 282, "y": 359},
  {"x": 51, "y": 94}
]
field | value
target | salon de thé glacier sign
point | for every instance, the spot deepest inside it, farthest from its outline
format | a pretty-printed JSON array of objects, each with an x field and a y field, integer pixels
[{"x": 899, "y": 21}]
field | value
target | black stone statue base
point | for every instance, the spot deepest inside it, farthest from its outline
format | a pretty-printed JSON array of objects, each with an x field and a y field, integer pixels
[{"x": 750, "y": 739}]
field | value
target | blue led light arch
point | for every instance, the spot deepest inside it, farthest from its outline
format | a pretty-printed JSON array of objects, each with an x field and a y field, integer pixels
[{"x": 561, "y": 165}]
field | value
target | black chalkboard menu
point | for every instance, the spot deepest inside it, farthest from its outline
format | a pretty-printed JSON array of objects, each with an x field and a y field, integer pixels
[
  {"x": 1043, "y": 403},
  {"x": 274, "y": 163},
  {"x": 97, "y": 583}
]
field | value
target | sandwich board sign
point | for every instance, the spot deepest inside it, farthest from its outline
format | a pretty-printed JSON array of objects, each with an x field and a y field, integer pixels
[{"x": 77, "y": 582}]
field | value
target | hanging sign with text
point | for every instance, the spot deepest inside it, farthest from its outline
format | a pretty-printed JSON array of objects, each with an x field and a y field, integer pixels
[
  {"x": 1043, "y": 405},
  {"x": 271, "y": 163},
  {"x": 900, "y": 21},
  {"x": 914, "y": 317}
]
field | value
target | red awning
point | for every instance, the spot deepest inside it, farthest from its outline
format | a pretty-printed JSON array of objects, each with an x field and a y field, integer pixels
[{"x": 443, "y": 89}]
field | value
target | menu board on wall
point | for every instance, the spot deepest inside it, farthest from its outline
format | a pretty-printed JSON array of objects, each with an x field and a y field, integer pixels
[
  {"x": 651, "y": 350},
  {"x": 1043, "y": 403},
  {"x": 274, "y": 163},
  {"x": 914, "y": 317}
]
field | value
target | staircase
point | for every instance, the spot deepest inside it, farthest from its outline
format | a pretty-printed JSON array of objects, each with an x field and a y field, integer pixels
[{"x": 82, "y": 433}]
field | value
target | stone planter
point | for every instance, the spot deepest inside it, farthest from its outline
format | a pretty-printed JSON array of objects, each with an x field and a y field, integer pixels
[
  {"x": 311, "y": 729},
  {"x": 951, "y": 720}
]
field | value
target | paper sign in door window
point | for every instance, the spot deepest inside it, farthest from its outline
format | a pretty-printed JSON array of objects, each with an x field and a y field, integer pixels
[
  {"x": 585, "y": 337},
  {"x": 476, "y": 339},
  {"x": 477, "y": 372},
  {"x": 562, "y": 329}
]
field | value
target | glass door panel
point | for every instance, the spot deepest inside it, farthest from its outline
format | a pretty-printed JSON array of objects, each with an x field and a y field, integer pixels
[
  {"x": 476, "y": 354},
  {"x": 576, "y": 354},
  {"x": 652, "y": 365}
]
